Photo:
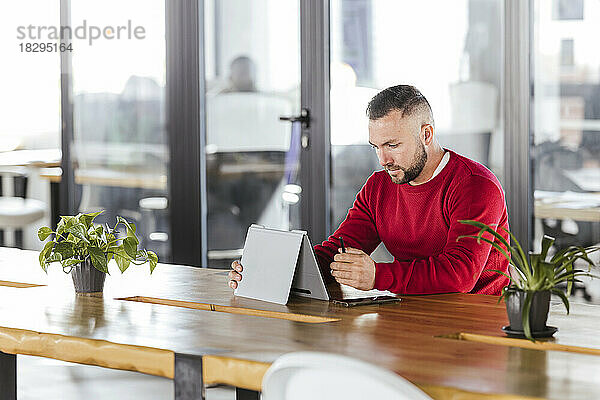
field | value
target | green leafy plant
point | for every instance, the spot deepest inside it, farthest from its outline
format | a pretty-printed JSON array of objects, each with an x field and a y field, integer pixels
[
  {"x": 77, "y": 239},
  {"x": 536, "y": 272}
]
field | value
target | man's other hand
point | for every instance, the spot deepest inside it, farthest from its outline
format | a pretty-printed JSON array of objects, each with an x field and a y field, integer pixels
[
  {"x": 235, "y": 275},
  {"x": 353, "y": 268}
]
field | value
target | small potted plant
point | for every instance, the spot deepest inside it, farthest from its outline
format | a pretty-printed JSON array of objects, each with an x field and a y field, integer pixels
[
  {"x": 84, "y": 249},
  {"x": 527, "y": 296}
]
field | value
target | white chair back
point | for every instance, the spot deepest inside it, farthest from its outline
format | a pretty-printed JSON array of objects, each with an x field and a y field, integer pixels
[{"x": 323, "y": 376}]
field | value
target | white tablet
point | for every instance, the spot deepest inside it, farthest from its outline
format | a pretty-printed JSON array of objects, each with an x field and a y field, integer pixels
[{"x": 269, "y": 261}]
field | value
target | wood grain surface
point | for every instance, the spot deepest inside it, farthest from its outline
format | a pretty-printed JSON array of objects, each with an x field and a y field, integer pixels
[{"x": 402, "y": 337}]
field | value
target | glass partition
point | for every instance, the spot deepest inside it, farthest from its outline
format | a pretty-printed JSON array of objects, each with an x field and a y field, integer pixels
[
  {"x": 29, "y": 109},
  {"x": 566, "y": 126},
  {"x": 252, "y": 78},
  {"x": 119, "y": 152}
]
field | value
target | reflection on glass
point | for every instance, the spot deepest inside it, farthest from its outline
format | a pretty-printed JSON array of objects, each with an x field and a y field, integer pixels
[
  {"x": 119, "y": 150},
  {"x": 567, "y": 126},
  {"x": 30, "y": 109},
  {"x": 30, "y": 82},
  {"x": 457, "y": 66},
  {"x": 252, "y": 158}
]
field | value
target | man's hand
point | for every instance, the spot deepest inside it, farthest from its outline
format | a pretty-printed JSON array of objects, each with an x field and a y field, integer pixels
[
  {"x": 235, "y": 275},
  {"x": 353, "y": 268}
]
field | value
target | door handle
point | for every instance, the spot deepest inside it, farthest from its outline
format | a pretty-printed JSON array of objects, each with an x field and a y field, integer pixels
[{"x": 304, "y": 118}]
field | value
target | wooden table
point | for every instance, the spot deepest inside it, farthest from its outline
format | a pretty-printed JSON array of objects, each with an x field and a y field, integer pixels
[
  {"x": 31, "y": 158},
  {"x": 186, "y": 324}
]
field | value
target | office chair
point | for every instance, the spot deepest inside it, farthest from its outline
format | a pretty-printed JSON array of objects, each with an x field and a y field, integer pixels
[
  {"x": 551, "y": 161},
  {"x": 16, "y": 211},
  {"x": 323, "y": 376}
]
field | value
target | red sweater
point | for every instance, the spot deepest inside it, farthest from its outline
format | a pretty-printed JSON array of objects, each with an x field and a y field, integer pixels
[{"x": 419, "y": 226}]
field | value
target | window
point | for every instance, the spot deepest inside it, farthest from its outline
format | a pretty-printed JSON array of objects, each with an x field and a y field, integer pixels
[{"x": 457, "y": 66}]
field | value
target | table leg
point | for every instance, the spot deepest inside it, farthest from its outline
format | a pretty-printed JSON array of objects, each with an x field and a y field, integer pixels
[
  {"x": 245, "y": 394},
  {"x": 188, "y": 377},
  {"x": 8, "y": 376}
]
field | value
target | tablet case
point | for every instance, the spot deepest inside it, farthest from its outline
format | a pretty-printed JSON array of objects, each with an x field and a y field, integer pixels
[
  {"x": 278, "y": 262},
  {"x": 269, "y": 261}
]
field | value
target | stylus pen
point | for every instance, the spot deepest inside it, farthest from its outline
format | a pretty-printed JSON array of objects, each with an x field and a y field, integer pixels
[{"x": 342, "y": 243}]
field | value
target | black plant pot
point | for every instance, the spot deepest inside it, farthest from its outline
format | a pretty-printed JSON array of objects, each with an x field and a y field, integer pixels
[
  {"x": 87, "y": 279},
  {"x": 538, "y": 313}
]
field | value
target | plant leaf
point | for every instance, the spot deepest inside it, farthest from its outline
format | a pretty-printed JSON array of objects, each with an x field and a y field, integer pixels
[
  {"x": 517, "y": 247},
  {"x": 129, "y": 225},
  {"x": 44, "y": 232},
  {"x": 547, "y": 242},
  {"x": 520, "y": 262},
  {"x": 563, "y": 297},
  {"x": 43, "y": 255},
  {"x": 88, "y": 219},
  {"x": 54, "y": 257},
  {"x": 525, "y": 315},
  {"x": 569, "y": 268},
  {"x": 541, "y": 274},
  {"x": 65, "y": 249},
  {"x": 514, "y": 282},
  {"x": 153, "y": 258},
  {"x": 79, "y": 231},
  {"x": 570, "y": 274},
  {"x": 534, "y": 261},
  {"x": 131, "y": 233},
  {"x": 494, "y": 244},
  {"x": 522, "y": 275},
  {"x": 130, "y": 247},
  {"x": 122, "y": 259},
  {"x": 486, "y": 228},
  {"x": 65, "y": 223},
  {"x": 98, "y": 258}
]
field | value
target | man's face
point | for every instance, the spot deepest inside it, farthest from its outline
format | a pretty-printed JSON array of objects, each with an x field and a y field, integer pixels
[{"x": 397, "y": 142}]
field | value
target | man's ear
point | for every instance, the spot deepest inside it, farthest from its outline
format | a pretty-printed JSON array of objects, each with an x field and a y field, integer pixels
[{"x": 427, "y": 134}]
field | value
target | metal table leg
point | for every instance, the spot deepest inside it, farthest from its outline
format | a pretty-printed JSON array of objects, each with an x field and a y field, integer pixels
[
  {"x": 8, "y": 376},
  {"x": 188, "y": 377},
  {"x": 245, "y": 394}
]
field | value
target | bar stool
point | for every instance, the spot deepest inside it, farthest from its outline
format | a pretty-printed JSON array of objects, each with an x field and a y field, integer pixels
[
  {"x": 154, "y": 237},
  {"x": 16, "y": 211}
]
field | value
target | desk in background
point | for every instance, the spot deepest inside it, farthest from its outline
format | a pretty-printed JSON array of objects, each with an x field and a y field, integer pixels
[
  {"x": 31, "y": 158},
  {"x": 567, "y": 205},
  {"x": 102, "y": 177}
]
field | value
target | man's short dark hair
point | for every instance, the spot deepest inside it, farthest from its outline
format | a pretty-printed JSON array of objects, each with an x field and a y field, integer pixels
[{"x": 404, "y": 98}]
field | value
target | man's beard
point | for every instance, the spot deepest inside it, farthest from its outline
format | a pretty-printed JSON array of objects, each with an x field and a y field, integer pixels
[{"x": 415, "y": 168}]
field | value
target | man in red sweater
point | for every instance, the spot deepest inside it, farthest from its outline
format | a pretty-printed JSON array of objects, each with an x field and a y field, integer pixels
[{"x": 414, "y": 206}]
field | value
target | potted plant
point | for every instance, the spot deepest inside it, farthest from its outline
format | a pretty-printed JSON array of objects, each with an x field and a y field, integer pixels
[
  {"x": 85, "y": 249},
  {"x": 527, "y": 296}
]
